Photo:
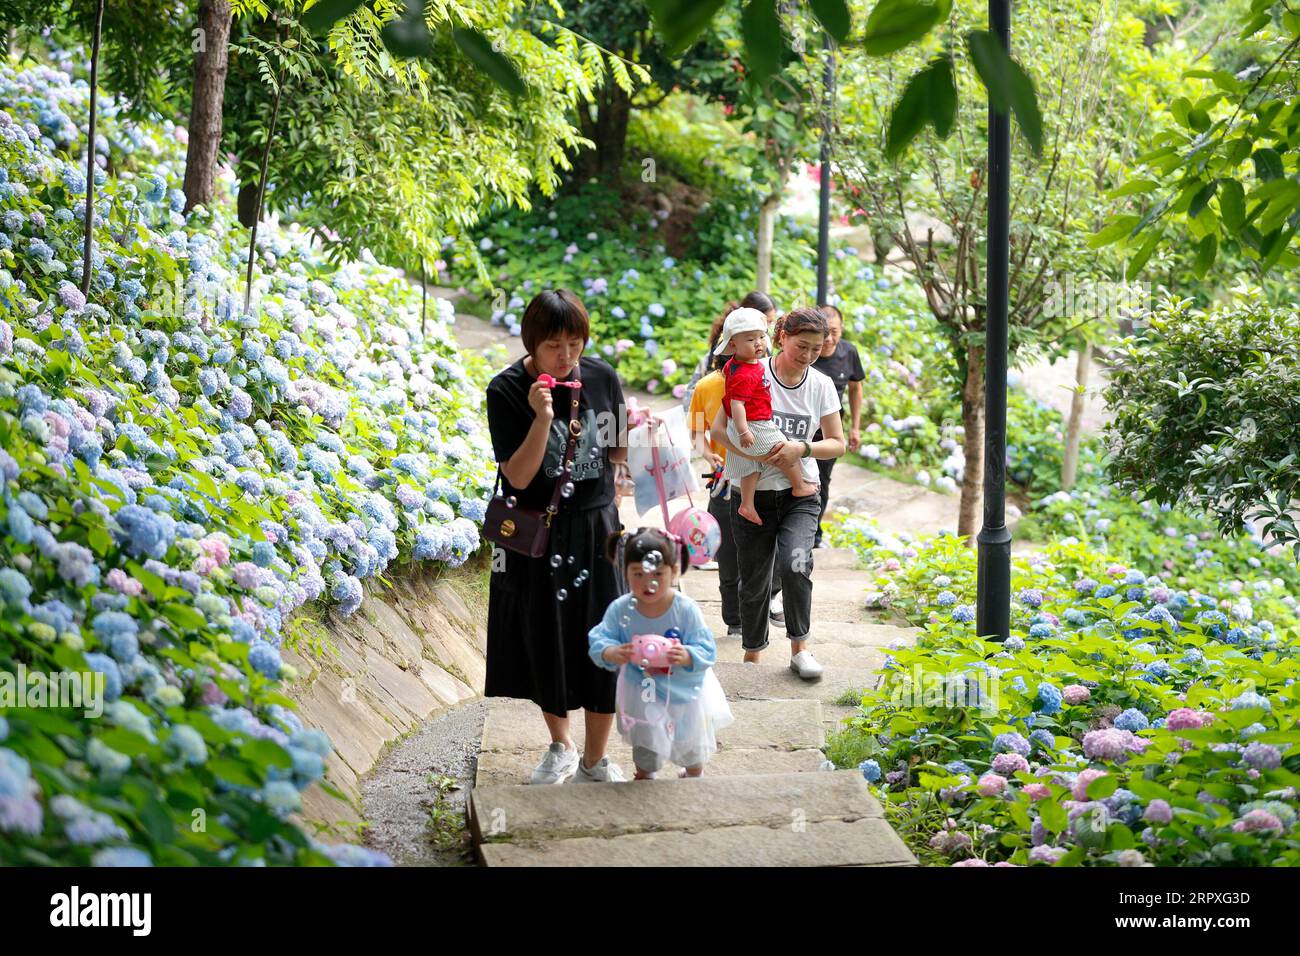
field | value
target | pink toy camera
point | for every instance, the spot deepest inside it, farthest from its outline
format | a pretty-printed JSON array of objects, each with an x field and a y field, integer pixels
[{"x": 650, "y": 652}]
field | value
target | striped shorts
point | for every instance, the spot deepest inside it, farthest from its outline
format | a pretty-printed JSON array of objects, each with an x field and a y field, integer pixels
[{"x": 766, "y": 437}]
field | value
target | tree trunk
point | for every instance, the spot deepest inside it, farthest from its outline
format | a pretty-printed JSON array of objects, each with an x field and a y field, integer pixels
[
  {"x": 609, "y": 132},
  {"x": 1070, "y": 459},
  {"x": 766, "y": 231},
  {"x": 210, "y": 67},
  {"x": 972, "y": 419},
  {"x": 261, "y": 188},
  {"x": 86, "y": 267}
]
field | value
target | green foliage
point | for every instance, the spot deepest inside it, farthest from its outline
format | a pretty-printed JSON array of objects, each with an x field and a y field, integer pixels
[
  {"x": 1207, "y": 412},
  {"x": 1221, "y": 793},
  {"x": 1221, "y": 167}
]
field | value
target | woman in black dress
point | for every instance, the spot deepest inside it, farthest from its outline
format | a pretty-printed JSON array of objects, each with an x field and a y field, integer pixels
[{"x": 540, "y": 609}]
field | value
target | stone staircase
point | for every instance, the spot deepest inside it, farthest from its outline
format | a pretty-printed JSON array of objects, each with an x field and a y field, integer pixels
[{"x": 764, "y": 799}]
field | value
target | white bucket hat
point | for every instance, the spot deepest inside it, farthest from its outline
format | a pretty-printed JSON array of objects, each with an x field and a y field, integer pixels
[{"x": 739, "y": 320}]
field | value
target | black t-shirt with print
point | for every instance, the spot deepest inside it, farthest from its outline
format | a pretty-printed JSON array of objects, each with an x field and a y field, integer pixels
[
  {"x": 843, "y": 366},
  {"x": 601, "y": 410}
]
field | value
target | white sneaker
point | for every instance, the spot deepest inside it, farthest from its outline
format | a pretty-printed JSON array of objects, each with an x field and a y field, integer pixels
[
  {"x": 709, "y": 566},
  {"x": 602, "y": 772},
  {"x": 557, "y": 766},
  {"x": 806, "y": 666},
  {"x": 776, "y": 609}
]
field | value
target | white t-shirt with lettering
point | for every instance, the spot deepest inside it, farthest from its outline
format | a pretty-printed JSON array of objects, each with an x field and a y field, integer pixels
[{"x": 797, "y": 412}]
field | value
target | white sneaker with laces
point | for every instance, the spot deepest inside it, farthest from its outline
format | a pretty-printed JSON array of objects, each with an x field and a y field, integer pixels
[
  {"x": 806, "y": 666},
  {"x": 557, "y": 766},
  {"x": 776, "y": 609},
  {"x": 602, "y": 772}
]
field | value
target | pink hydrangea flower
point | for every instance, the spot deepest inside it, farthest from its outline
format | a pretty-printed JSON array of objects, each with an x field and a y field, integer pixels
[
  {"x": 1184, "y": 718},
  {"x": 215, "y": 548},
  {"x": 205, "y": 565},
  {"x": 1158, "y": 811},
  {"x": 1006, "y": 764},
  {"x": 1075, "y": 694},
  {"x": 1037, "y": 791},
  {"x": 1111, "y": 743},
  {"x": 123, "y": 583},
  {"x": 991, "y": 784},
  {"x": 1258, "y": 820},
  {"x": 679, "y": 390},
  {"x": 1086, "y": 777}
]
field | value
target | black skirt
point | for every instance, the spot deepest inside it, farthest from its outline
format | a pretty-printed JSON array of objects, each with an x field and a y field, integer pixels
[{"x": 536, "y": 639}]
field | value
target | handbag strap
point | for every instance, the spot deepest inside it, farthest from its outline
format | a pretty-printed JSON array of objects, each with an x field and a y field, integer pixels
[
  {"x": 569, "y": 450},
  {"x": 575, "y": 429}
]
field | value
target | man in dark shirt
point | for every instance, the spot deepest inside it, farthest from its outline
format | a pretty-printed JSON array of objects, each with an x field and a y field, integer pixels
[{"x": 840, "y": 361}]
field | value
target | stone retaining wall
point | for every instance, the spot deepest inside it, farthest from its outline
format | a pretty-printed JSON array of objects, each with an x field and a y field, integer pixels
[{"x": 412, "y": 650}]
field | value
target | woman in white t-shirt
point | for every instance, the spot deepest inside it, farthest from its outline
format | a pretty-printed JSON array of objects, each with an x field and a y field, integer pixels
[{"x": 803, "y": 400}]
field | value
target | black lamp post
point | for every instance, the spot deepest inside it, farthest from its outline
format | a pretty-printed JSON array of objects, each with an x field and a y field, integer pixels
[
  {"x": 993, "y": 601},
  {"x": 824, "y": 217}
]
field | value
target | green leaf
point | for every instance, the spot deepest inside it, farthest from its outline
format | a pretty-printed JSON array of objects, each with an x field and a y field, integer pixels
[
  {"x": 1118, "y": 229},
  {"x": 893, "y": 24},
  {"x": 325, "y": 13},
  {"x": 408, "y": 35},
  {"x": 494, "y": 65},
  {"x": 1202, "y": 198},
  {"x": 185, "y": 617},
  {"x": 234, "y": 771},
  {"x": 267, "y": 753},
  {"x": 1232, "y": 205},
  {"x": 1268, "y": 164},
  {"x": 1010, "y": 89},
  {"x": 760, "y": 28},
  {"x": 1053, "y": 815},
  {"x": 930, "y": 96},
  {"x": 1133, "y": 187},
  {"x": 1103, "y": 787},
  {"x": 834, "y": 17},
  {"x": 680, "y": 22}
]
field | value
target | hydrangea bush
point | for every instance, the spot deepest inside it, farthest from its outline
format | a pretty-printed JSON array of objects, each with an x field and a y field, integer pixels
[
  {"x": 1126, "y": 721},
  {"x": 179, "y": 476}
]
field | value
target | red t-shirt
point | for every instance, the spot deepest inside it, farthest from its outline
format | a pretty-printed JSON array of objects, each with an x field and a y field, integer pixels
[{"x": 747, "y": 383}]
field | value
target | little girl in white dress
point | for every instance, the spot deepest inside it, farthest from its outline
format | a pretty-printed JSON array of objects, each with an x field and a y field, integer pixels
[{"x": 668, "y": 708}]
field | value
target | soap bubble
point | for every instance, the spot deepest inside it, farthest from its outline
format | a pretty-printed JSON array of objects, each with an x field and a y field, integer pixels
[
  {"x": 566, "y": 490},
  {"x": 511, "y": 501},
  {"x": 561, "y": 594},
  {"x": 572, "y": 558},
  {"x": 556, "y": 560}
]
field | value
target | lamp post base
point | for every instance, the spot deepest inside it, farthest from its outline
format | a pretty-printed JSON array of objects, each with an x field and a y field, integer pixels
[{"x": 993, "y": 601}]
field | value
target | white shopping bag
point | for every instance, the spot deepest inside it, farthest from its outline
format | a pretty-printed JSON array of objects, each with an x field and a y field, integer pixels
[{"x": 666, "y": 434}]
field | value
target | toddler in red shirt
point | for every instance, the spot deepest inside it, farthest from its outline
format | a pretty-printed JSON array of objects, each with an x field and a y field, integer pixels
[{"x": 747, "y": 400}]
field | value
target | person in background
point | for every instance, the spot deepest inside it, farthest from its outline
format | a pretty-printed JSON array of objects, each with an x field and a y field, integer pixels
[
  {"x": 839, "y": 361},
  {"x": 755, "y": 300},
  {"x": 706, "y": 399}
]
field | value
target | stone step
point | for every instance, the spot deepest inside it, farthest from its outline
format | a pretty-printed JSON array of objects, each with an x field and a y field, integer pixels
[
  {"x": 864, "y": 842},
  {"x": 702, "y": 583},
  {"x": 775, "y": 681},
  {"x": 515, "y": 739},
  {"x": 515, "y": 766},
  {"x": 523, "y": 813},
  {"x": 776, "y": 724}
]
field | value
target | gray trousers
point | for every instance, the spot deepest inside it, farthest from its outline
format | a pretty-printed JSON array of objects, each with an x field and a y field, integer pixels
[{"x": 781, "y": 548}]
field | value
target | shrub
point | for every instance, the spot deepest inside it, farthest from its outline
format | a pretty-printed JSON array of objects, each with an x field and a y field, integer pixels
[{"x": 179, "y": 478}]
